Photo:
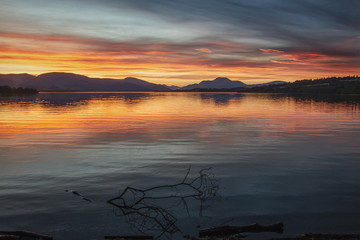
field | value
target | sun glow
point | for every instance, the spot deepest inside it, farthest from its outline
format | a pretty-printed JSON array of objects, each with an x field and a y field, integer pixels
[
  {"x": 175, "y": 47},
  {"x": 165, "y": 63}
]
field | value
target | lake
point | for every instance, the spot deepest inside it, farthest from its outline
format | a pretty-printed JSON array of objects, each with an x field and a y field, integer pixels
[{"x": 275, "y": 158}]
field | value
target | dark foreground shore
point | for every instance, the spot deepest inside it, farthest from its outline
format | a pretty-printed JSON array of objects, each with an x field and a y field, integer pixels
[{"x": 25, "y": 235}]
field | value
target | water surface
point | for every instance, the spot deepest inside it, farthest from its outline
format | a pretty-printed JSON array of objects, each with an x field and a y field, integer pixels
[{"x": 276, "y": 158}]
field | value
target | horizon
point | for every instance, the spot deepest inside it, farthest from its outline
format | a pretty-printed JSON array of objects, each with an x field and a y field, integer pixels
[
  {"x": 166, "y": 84},
  {"x": 172, "y": 85},
  {"x": 181, "y": 43}
]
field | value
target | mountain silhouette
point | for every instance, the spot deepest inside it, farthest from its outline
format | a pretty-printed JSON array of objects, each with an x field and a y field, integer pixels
[
  {"x": 225, "y": 83},
  {"x": 59, "y": 81},
  {"x": 217, "y": 83},
  {"x": 70, "y": 82}
]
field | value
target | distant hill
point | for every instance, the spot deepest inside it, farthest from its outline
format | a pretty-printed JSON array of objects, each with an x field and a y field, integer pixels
[
  {"x": 223, "y": 84},
  {"x": 58, "y": 81},
  {"x": 331, "y": 85},
  {"x": 218, "y": 83},
  {"x": 69, "y": 82},
  {"x": 267, "y": 84}
]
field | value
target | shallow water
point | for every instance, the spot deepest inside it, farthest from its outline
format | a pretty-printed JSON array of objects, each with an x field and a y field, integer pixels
[{"x": 276, "y": 158}]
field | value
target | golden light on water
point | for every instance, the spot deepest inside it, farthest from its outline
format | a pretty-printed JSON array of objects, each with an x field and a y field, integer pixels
[{"x": 167, "y": 113}]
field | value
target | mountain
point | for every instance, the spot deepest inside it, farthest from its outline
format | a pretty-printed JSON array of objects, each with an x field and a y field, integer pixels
[
  {"x": 268, "y": 84},
  {"x": 218, "y": 83},
  {"x": 173, "y": 87},
  {"x": 59, "y": 81},
  {"x": 225, "y": 83},
  {"x": 15, "y": 80}
]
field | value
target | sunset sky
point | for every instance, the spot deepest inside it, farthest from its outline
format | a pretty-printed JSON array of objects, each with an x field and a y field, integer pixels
[{"x": 182, "y": 41}]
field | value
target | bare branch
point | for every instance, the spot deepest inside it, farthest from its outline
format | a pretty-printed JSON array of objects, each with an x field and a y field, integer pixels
[{"x": 143, "y": 212}]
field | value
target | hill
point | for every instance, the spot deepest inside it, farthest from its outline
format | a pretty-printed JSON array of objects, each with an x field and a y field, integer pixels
[
  {"x": 58, "y": 81},
  {"x": 331, "y": 85},
  {"x": 218, "y": 83},
  {"x": 223, "y": 84}
]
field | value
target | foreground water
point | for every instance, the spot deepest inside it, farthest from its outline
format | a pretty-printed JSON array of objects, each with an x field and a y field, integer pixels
[{"x": 276, "y": 158}]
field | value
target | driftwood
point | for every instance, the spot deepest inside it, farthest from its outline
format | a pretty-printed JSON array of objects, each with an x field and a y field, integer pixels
[
  {"x": 223, "y": 231},
  {"x": 79, "y": 194},
  {"x": 146, "y": 212},
  {"x": 134, "y": 237},
  {"x": 20, "y": 235}
]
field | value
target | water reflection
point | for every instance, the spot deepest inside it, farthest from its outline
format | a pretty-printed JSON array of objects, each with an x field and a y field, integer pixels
[
  {"x": 74, "y": 99},
  {"x": 220, "y": 98},
  {"x": 278, "y": 158},
  {"x": 349, "y": 99},
  {"x": 68, "y": 120},
  {"x": 153, "y": 210}
]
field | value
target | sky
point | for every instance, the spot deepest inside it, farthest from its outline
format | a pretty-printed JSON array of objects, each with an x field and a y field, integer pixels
[{"x": 180, "y": 42}]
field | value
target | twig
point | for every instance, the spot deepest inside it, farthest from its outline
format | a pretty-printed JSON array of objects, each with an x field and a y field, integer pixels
[{"x": 140, "y": 204}]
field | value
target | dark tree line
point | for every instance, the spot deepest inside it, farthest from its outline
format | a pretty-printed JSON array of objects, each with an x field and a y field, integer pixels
[
  {"x": 331, "y": 85},
  {"x": 8, "y": 91}
]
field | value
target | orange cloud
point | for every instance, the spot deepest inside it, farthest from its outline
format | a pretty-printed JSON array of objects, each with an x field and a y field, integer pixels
[
  {"x": 171, "y": 63},
  {"x": 295, "y": 56},
  {"x": 271, "y": 51},
  {"x": 204, "y": 50}
]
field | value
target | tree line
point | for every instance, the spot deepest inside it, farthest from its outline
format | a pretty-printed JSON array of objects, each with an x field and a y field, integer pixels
[
  {"x": 8, "y": 91},
  {"x": 330, "y": 85}
]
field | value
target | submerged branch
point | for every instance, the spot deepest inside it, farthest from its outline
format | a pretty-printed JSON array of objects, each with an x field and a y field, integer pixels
[{"x": 145, "y": 214}]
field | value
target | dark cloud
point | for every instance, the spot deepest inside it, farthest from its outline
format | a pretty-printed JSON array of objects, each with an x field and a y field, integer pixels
[
  {"x": 206, "y": 34},
  {"x": 302, "y": 22}
]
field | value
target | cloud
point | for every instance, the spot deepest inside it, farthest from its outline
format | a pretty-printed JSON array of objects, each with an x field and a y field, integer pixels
[
  {"x": 204, "y": 50},
  {"x": 182, "y": 38},
  {"x": 295, "y": 55},
  {"x": 272, "y": 51}
]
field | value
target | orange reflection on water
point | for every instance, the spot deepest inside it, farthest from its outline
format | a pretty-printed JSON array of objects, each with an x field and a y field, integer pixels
[{"x": 216, "y": 118}]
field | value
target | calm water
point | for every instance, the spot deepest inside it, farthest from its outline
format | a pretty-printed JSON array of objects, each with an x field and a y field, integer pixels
[{"x": 276, "y": 158}]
